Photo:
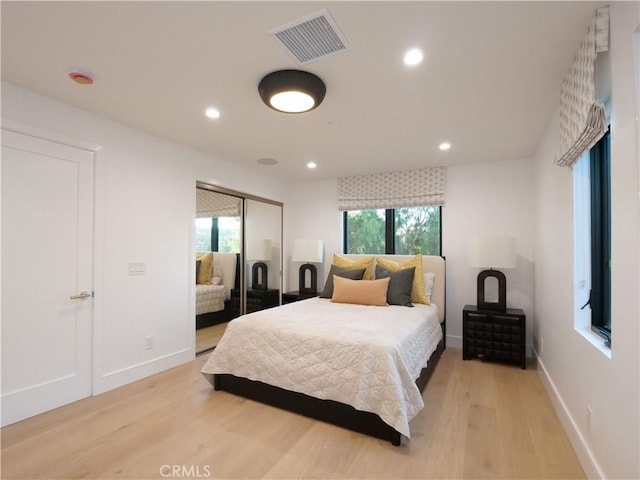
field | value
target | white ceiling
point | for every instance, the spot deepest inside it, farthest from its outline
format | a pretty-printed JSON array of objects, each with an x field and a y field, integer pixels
[{"x": 489, "y": 82}]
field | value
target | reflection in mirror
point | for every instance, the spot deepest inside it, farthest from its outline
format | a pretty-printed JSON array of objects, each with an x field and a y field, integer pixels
[
  {"x": 263, "y": 237},
  {"x": 218, "y": 238}
]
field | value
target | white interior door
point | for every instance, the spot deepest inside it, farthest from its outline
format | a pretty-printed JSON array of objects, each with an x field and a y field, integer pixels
[{"x": 47, "y": 209}]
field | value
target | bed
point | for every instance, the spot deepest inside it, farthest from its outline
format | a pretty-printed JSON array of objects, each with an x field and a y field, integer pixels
[
  {"x": 357, "y": 366},
  {"x": 213, "y": 298}
]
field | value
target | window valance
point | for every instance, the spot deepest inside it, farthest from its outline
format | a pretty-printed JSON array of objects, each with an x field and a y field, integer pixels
[
  {"x": 582, "y": 118},
  {"x": 213, "y": 204},
  {"x": 406, "y": 188}
]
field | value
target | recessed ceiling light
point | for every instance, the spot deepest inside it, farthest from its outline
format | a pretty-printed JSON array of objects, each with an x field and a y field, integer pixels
[
  {"x": 413, "y": 57},
  {"x": 311, "y": 165},
  {"x": 212, "y": 112},
  {"x": 444, "y": 146},
  {"x": 267, "y": 161}
]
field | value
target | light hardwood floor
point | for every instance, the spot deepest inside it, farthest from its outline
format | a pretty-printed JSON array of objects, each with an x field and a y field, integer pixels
[
  {"x": 209, "y": 336},
  {"x": 481, "y": 420}
]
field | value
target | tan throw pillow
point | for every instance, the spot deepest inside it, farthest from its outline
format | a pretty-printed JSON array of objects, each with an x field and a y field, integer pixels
[
  {"x": 360, "y": 292},
  {"x": 348, "y": 264},
  {"x": 206, "y": 268},
  {"x": 417, "y": 292}
]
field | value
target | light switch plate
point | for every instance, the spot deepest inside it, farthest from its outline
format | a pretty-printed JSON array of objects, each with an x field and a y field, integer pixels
[{"x": 137, "y": 268}]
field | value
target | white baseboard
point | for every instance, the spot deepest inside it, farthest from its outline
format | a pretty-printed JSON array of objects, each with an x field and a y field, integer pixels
[
  {"x": 454, "y": 341},
  {"x": 115, "y": 379},
  {"x": 583, "y": 452}
]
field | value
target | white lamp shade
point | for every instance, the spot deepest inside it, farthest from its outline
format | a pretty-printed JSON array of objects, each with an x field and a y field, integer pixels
[
  {"x": 492, "y": 252},
  {"x": 259, "y": 250},
  {"x": 308, "y": 251}
]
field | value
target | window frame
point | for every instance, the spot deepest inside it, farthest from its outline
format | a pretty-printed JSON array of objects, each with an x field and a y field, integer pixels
[
  {"x": 390, "y": 229},
  {"x": 600, "y": 294}
]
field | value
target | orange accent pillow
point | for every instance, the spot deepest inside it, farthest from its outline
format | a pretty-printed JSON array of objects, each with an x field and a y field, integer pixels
[
  {"x": 360, "y": 292},
  {"x": 348, "y": 264},
  {"x": 417, "y": 292}
]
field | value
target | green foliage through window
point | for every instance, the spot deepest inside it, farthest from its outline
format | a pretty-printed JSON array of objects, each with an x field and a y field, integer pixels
[
  {"x": 221, "y": 234},
  {"x": 406, "y": 231}
]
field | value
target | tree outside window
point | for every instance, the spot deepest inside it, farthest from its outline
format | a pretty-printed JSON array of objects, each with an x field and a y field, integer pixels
[{"x": 409, "y": 231}]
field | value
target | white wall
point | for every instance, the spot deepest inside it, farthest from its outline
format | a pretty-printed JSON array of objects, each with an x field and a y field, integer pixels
[
  {"x": 311, "y": 213},
  {"x": 487, "y": 199},
  {"x": 577, "y": 374},
  {"x": 144, "y": 212},
  {"x": 481, "y": 199}
]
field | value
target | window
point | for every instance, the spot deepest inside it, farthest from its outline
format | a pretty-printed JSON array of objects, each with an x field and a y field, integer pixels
[
  {"x": 600, "y": 298},
  {"x": 592, "y": 240},
  {"x": 203, "y": 234},
  {"x": 218, "y": 234},
  {"x": 406, "y": 231}
]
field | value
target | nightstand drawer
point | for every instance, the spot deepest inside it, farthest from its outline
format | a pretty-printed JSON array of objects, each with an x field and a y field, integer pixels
[{"x": 492, "y": 335}]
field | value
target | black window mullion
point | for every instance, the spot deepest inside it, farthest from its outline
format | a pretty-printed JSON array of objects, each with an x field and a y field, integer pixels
[
  {"x": 214, "y": 234},
  {"x": 390, "y": 232},
  {"x": 345, "y": 234}
]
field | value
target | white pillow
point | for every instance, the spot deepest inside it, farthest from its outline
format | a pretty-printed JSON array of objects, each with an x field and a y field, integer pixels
[
  {"x": 216, "y": 277},
  {"x": 428, "y": 277}
]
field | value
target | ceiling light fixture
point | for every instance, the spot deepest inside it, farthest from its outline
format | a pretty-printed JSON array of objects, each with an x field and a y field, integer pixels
[
  {"x": 212, "y": 112},
  {"x": 311, "y": 165},
  {"x": 292, "y": 91},
  {"x": 413, "y": 57},
  {"x": 444, "y": 146}
]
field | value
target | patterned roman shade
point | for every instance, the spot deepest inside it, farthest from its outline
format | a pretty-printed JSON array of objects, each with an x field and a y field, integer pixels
[
  {"x": 407, "y": 188},
  {"x": 582, "y": 119},
  {"x": 214, "y": 204}
]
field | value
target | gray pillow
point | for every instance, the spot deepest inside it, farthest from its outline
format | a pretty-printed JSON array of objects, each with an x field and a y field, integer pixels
[
  {"x": 327, "y": 292},
  {"x": 400, "y": 285}
]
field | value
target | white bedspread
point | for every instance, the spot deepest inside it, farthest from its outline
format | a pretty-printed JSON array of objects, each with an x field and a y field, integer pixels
[
  {"x": 367, "y": 357},
  {"x": 209, "y": 298}
]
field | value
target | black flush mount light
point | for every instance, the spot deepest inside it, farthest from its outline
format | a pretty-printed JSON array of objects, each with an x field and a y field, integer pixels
[{"x": 292, "y": 91}]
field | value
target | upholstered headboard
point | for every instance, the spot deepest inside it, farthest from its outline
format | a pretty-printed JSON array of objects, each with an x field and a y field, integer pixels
[
  {"x": 227, "y": 263},
  {"x": 430, "y": 263}
]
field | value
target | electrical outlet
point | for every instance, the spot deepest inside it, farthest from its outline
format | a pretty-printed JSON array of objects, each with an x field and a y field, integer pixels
[
  {"x": 148, "y": 342},
  {"x": 589, "y": 416}
]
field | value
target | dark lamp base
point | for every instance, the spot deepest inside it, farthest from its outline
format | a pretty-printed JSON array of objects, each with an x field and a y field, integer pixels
[
  {"x": 313, "y": 288},
  {"x": 501, "y": 304},
  {"x": 259, "y": 276}
]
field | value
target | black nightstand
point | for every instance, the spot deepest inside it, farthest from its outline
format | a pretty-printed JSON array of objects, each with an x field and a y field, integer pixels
[
  {"x": 494, "y": 335},
  {"x": 256, "y": 299},
  {"x": 290, "y": 297}
]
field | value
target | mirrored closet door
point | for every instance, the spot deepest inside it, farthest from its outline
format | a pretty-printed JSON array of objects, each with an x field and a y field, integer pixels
[
  {"x": 263, "y": 232},
  {"x": 238, "y": 244}
]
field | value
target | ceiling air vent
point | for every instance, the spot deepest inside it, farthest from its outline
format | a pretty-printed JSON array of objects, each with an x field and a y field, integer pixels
[{"x": 312, "y": 37}]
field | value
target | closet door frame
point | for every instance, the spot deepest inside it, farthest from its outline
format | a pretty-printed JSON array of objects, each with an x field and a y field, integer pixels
[{"x": 243, "y": 244}]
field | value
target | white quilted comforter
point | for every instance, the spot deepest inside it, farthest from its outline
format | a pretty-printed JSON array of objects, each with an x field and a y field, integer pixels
[
  {"x": 367, "y": 357},
  {"x": 209, "y": 298}
]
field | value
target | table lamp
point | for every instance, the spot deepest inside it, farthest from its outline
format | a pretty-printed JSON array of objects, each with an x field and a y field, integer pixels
[
  {"x": 490, "y": 253},
  {"x": 260, "y": 252},
  {"x": 308, "y": 252}
]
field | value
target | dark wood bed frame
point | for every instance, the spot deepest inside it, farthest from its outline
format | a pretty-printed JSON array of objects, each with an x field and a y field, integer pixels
[{"x": 329, "y": 411}]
